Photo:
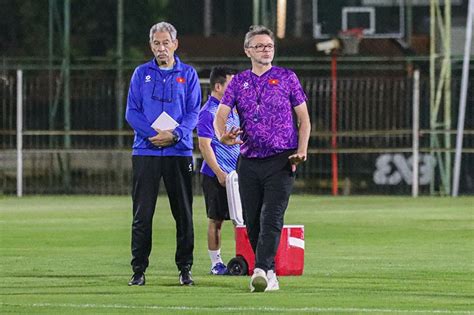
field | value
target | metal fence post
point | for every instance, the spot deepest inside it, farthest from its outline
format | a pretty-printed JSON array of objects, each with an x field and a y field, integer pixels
[
  {"x": 19, "y": 133},
  {"x": 67, "y": 94},
  {"x": 462, "y": 99},
  {"x": 416, "y": 132},
  {"x": 334, "y": 167}
]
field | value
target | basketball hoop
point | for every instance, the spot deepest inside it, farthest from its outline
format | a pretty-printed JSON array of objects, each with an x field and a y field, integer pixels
[{"x": 350, "y": 40}]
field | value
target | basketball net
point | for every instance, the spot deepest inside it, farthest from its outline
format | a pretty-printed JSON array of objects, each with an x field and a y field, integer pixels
[{"x": 351, "y": 39}]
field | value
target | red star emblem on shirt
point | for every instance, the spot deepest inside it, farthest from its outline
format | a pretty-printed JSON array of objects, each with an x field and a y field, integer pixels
[
  {"x": 273, "y": 81},
  {"x": 180, "y": 80}
]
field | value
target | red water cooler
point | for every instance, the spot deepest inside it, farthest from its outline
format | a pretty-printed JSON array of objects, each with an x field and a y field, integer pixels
[{"x": 289, "y": 259}]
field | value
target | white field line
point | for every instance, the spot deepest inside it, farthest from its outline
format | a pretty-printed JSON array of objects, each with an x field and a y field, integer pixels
[{"x": 240, "y": 309}]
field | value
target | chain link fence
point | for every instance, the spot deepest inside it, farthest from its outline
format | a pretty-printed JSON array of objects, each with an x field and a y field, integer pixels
[{"x": 87, "y": 151}]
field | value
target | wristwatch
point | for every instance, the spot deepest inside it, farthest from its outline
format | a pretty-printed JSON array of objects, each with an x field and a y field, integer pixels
[{"x": 175, "y": 136}]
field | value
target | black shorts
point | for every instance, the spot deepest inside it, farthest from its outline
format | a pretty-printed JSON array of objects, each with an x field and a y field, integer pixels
[{"x": 215, "y": 197}]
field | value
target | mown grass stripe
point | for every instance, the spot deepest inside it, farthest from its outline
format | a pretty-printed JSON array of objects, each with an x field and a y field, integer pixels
[{"x": 242, "y": 309}]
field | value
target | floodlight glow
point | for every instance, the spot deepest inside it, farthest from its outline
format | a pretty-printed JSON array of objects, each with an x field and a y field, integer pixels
[{"x": 281, "y": 18}]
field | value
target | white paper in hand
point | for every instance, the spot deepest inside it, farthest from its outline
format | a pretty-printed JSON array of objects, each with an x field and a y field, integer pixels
[{"x": 164, "y": 122}]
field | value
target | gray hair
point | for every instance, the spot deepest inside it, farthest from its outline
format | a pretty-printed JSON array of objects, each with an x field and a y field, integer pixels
[
  {"x": 257, "y": 30},
  {"x": 163, "y": 27}
]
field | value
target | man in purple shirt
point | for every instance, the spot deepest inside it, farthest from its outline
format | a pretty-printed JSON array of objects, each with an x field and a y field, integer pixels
[
  {"x": 273, "y": 142},
  {"x": 219, "y": 160}
]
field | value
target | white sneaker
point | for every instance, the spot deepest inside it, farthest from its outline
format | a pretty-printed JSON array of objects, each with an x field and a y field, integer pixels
[
  {"x": 259, "y": 281},
  {"x": 273, "y": 284}
]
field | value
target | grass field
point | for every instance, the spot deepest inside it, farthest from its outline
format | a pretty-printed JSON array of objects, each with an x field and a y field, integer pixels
[{"x": 375, "y": 255}]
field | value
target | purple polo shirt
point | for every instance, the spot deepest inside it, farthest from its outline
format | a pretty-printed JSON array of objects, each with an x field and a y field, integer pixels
[{"x": 265, "y": 106}]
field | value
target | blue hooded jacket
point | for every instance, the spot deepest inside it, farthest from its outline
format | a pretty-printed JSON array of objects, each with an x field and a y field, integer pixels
[{"x": 153, "y": 91}]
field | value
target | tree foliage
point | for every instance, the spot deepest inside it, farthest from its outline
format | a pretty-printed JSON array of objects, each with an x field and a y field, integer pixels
[{"x": 24, "y": 24}]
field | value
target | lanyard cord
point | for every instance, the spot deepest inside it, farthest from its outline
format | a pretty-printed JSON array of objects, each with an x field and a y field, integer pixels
[{"x": 258, "y": 92}]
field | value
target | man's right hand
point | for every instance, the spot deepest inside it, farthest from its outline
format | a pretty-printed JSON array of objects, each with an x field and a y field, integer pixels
[
  {"x": 221, "y": 177},
  {"x": 164, "y": 138},
  {"x": 231, "y": 137}
]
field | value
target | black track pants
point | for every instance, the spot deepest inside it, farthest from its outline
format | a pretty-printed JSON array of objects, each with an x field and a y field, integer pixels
[
  {"x": 177, "y": 176},
  {"x": 265, "y": 186}
]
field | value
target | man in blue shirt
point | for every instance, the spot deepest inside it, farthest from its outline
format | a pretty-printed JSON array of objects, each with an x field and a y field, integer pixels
[
  {"x": 219, "y": 160},
  {"x": 162, "y": 108}
]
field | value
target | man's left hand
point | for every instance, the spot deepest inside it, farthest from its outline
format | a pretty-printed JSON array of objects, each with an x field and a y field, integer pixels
[{"x": 163, "y": 138}]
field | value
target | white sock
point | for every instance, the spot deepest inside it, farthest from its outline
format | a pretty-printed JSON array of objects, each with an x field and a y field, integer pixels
[{"x": 215, "y": 256}]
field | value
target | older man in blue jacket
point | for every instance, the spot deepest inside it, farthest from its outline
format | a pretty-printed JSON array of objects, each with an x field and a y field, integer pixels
[{"x": 162, "y": 107}]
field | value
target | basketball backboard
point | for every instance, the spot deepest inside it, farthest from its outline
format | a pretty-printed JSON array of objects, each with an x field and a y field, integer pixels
[{"x": 378, "y": 19}]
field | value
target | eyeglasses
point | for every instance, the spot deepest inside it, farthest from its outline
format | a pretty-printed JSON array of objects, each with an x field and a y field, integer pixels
[
  {"x": 262, "y": 47},
  {"x": 161, "y": 98}
]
